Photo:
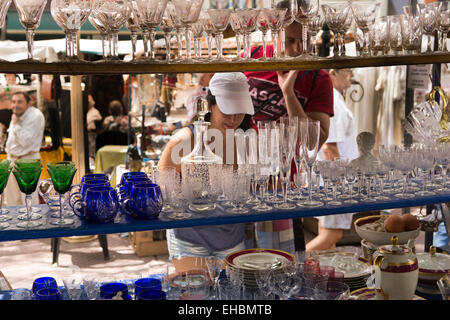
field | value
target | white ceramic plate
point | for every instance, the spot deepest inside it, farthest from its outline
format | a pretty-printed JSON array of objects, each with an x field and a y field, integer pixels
[{"x": 259, "y": 259}]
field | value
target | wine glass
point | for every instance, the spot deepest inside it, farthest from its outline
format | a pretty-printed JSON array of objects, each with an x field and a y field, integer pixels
[
  {"x": 443, "y": 25},
  {"x": 263, "y": 26},
  {"x": 5, "y": 171},
  {"x": 30, "y": 13},
  {"x": 112, "y": 14},
  {"x": 365, "y": 14},
  {"x": 150, "y": 16},
  {"x": 62, "y": 174},
  {"x": 219, "y": 19},
  {"x": 425, "y": 161},
  {"x": 287, "y": 21},
  {"x": 176, "y": 200},
  {"x": 343, "y": 31},
  {"x": 188, "y": 11},
  {"x": 177, "y": 24},
  {"x": 197, "y": 32},
  {"x": 236, "y": 25},
  {"x": 70, "y": 15},
  {"x": 27, "y": 176},
  {"x": 310, "y": 144},
  {"x": 132, "y": 24},
  {"x": 275, "y": 19},
  {"x": 214, "y": 266},
  {"x": 249, "y": 19},
  {"x": 167, "y": 27},
  {"x": 351, "y": 175},
  {"x": 26, "y": 163},
  {"x": 302, "y": 12},
  {"x": 428, "y": 16},
  {"x": 315, "y": 24},
  {"x": 335, "y": 16},
  {"x": 4, "y": 7},
  {"x": 103, "y": 31}
]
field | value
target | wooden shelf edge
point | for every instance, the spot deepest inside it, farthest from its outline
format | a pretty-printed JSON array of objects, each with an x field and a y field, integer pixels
[{"x": 82, "y": 67}]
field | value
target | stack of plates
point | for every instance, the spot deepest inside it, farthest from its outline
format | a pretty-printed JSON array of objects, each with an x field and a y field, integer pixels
[
  {"x": 248, "y": 262},
  {"x": 356, "y": 271}
]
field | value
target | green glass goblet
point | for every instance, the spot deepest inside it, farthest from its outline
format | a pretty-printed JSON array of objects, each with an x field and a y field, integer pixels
[
  {"x": 29, "y": 163},
  {"x": 62, "y": 174},
  {"x": 27, "y": 179},
  {"x": 4, "y": 176},
  {"x": 4, "y": 164}
]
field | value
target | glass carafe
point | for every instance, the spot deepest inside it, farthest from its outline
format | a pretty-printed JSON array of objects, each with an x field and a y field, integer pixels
[{"x": 200, "y": 169}]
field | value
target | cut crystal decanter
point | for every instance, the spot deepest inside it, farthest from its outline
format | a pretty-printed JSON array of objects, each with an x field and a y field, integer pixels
[{"x": 200, "y": 169}]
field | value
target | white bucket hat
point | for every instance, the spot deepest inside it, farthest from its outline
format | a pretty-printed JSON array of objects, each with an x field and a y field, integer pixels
[{"x": 231, "y": 92}]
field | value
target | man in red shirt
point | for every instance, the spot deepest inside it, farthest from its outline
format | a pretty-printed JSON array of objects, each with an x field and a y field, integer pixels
[{"x": 305, "y": 94}]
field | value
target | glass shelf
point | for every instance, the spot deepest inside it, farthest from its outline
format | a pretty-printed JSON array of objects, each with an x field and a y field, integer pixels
[
  {"x": 105, "y": 68},
  {"x": 218, "y": 217}
]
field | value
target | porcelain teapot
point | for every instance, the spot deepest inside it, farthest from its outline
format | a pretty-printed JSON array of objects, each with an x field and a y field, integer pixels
[{"x": 396, "y": 271}]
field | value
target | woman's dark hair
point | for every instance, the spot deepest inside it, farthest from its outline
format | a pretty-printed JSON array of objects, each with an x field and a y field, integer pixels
[
  {"x": 245, "y": 124},
  {"x": 115, "y": 108}
]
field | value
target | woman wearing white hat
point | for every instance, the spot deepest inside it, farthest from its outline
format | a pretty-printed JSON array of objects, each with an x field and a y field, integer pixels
[{"x": 231, "y": 107}]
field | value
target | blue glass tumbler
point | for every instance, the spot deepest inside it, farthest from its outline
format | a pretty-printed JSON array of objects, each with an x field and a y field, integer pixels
[
  {"x": 146, "y": 284},
  {"x": 130, "y": 174},
  {"x": 110, "y": 290},
  {"x": 144, "y": 202},
  {"x": 48, "y": 294},
  {"x": 151, "y": 294},
  {"x": 81, "y": 193},
  {"x": 44, "y": 282}
]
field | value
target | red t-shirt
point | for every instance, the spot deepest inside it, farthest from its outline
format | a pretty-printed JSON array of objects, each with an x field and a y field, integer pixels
[{"x": 268, "y": 101}]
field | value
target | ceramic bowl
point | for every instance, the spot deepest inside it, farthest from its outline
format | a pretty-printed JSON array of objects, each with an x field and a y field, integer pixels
[{"x": 380, "y": 237}]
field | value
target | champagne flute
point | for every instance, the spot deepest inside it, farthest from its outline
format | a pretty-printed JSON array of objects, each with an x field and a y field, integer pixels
[
  {"x": 62, "y": 174},
  {"x": 310, "y": 144}
]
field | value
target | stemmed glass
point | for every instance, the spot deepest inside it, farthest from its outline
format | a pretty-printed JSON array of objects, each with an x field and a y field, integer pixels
[
  {"x": 112, "y": 14},
  {"x": 150, "y": 16},
  {"x": 325, "y": 172},
  {"x": 302, "y": 11},
  {"x": 176, "y": 22},
  {"x": 428, "y": 16},
  {"x": 404, "y": 162},
  {"x": 286, "y": 149},
  {"x": 365, "y": 14},
  {"x": 262, "y": 173},
  {"x": 443, "y": 25},
  {"x": 350, "y": 176},
  {"x": 310, "y": 144},
  {"x": 70, "y": 15},
  {"x": 274, "y": 136},
  {"x": 263, "y": 26},
  {"x": 235, "y": 22},
  {"x": 335, "y": 176},
  {"x": 240, "y": 189},
  {"x": 287, "y": 21},
  {"x": 132, "y": 24},
  {"x": 5, "y": 171},
  {"x": 381, "y": 171},
  {"x": 188, "y": 11},
  {"x": 30, "y": 13},
  {"x": 176, "y": 200},
  {"x": 197, "y": 32},
  {"x": 4, "y": 7},
  {"x": 219, "y": 19},
  {"x": 214, "y": 266},
  {"x": 27, "y": 175},
  {"x": 103, "y": 31},
  {"x": 275, "y": 19},
  {"x": 167, "y": 26},
  {"x": 208, "y": 29},
  {"x": 62, "y": 174},
  {"x": 344, "y": 29},
  {"x": 443, "y": 160},
  {"x": 315, "y": 24},
  {"x": 425, "y": 161},
  {"x": 249, "y": 20},
  {"x": 335, "y": 16}
]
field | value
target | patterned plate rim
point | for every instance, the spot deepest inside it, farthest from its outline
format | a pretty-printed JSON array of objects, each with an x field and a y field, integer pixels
[{"x": 229, "y": 259}]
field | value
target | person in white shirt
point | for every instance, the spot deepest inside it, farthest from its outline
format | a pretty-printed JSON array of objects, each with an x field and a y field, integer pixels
[
  {"x": 341, "y": 144},
  {"x": 25, "y": 134},
  {"x": 92, "y": 116}
]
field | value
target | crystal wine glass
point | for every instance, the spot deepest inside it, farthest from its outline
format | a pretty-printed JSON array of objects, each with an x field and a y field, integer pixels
[
  {"x": 443, "y": 25},
  {"x": 310, "y": 144},
  {"x": 335, "y": 16},
  {"x": 4, "y": 7},
  {"x": 249, "y": 19},
  {"x": 236, "y": 25},
  {"x": 302, "y": 11},
  {"x": 30, "y": 14},
  {"x": 263, "y": 26},
  {"x": 344, "y": 29},
  {"x": 62, "y": 174},
  {"x": 315, "y": 24},
  {"x": 219, "y": 19},
  {"x": 188, "y": 11},
  {"x": 132, "y": 24},
  {"x": 275, "y": 19},
  {"x": 167, "y": 27},
  {"x": 70, "y": 15},
  {"x": 287, "y": 21},
  {"x": 176, "y": 22},
  {"x": 150, "y": 16},
  {"x": 214, "y": 266},
  {"x": 5, "y": 171},
  {"x": 365, "y": 14},
  {"x": 425, "y": 161},
  {"x": 27, "y": 178},
  {"x": 197, "y": 32},
  {"x": 208, "y": 28},
  {"x": 428, "y": 14},
  {"x": 112, "y": 14},
  {"x": 103, "y": 31}
]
